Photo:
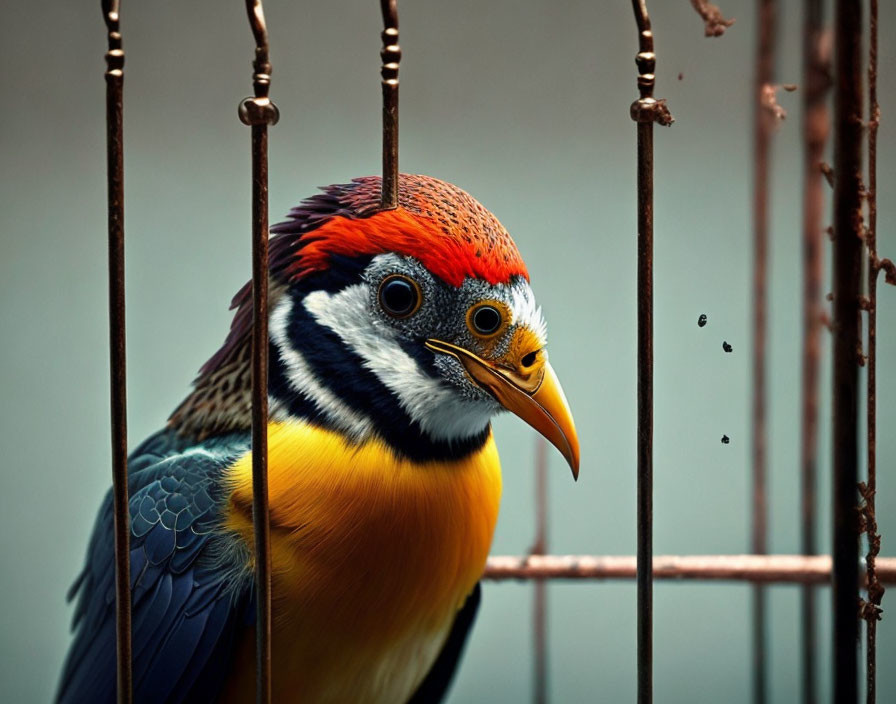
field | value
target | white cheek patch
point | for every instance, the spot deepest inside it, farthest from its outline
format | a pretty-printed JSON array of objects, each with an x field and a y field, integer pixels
[
  {"x": 439, "y": 410},
  {"x": 526, "y": 312},
  {"x": 303, "y": 380}
]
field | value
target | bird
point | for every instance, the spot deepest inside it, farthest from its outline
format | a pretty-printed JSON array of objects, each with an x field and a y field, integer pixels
[{"x": 395, "y": 336}]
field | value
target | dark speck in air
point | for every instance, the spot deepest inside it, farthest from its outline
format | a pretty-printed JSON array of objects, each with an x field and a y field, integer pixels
[{"x": 727, "y": 347}]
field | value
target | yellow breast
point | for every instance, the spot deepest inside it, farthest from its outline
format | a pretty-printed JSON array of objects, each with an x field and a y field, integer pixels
[{"x": 372, "y": 555}]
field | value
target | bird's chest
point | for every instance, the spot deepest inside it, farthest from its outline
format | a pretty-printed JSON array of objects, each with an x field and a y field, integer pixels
[{"x": 372, "y": 557}]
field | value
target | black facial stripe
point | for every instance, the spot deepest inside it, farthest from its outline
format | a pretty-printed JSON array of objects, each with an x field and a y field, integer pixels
[
  {"x": 343, "y": 373},
  {"x": 425, "y": 359},
  {"x": 280, "y": 389},
  {"x": 343, "y": 272},
  {"x": 336, "y": 366}
]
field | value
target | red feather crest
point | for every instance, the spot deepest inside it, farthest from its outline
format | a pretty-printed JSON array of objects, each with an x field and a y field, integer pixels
[{"x": 450, "y": 232}]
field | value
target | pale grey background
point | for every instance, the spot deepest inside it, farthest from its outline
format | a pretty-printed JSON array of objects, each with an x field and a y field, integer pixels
[{"x": 525, "y": 104}]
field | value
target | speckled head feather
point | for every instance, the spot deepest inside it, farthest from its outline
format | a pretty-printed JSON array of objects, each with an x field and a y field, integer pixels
[
  {"x": 439, "y": 224},
  {"x": 449, "y": 231}
]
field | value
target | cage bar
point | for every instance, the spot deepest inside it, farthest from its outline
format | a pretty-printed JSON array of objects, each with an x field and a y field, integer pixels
[
  {"x": 259, "y": 112},
  {"x": 871, "y": 609},
  {"x": 848, "y": 129},
  {"x": 765, "y": 569},
  {"x": 117, "y": 349},
  {"x": 391, "y": 57},
  {"x": 763, "y": 126},
  {"x": 645, "y": 111},
  {"x": 815, "y": 131},
  {"x": 540, "y": 547}
]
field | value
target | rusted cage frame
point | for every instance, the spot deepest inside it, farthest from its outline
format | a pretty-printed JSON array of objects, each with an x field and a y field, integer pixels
[
  {"x": 815, "y": 76},
  {"x": 848, "y": 137},
  {"x": 763, "y": 126},
  {"x": 258, "y": 112},
  {"x": 117, "y": 350},
  {"x": 757, "y": 569},
  {"x": 644, "y": 112}
]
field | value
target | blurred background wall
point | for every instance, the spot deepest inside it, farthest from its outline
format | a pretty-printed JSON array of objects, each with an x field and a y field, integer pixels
[{"x": 524, "y": 104}]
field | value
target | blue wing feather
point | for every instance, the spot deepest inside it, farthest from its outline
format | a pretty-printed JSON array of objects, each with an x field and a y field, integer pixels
[
  {"x": 218, "y": 629},
  {"x": 184, "y": 615}
]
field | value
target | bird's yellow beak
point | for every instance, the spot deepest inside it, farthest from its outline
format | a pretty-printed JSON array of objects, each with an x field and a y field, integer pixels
[{"x": 531, "y": 391}]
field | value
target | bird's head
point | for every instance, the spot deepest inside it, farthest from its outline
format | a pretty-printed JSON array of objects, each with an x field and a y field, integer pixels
[{"x": 416, "y": 325}]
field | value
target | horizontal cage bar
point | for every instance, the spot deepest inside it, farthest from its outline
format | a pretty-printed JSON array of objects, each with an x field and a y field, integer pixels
[{"x": 786, "y": 569}]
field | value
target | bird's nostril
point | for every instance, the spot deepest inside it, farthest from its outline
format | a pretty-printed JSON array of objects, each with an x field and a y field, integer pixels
[{"x": 529, "y": 359}]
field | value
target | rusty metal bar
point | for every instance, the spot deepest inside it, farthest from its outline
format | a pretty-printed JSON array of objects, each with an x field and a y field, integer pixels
[
  {"x": 815, "y": 131},
  {"x": 645, "y": 411},
  {"x": 766, "y": 569},
  {"x": 848, "y": 129},
  {"x": 117, "y": 349},
  {"x": 540, "y": 547},
  {"x": 117, "y": 353},
  {"x": 763, "y": 125},
  {"x": 645, "y": 111},
  {"x": 258, "y": 113},
  {"x": 871, "y": 609},
  {"x": 645, "y": 366},
  {"x": 391, "y": 57}
]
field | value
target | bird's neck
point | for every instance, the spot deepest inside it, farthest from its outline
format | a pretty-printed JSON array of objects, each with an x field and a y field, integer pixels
[
  {"x": 419, "y": 533},
  {"x": 343, "y": 478}
]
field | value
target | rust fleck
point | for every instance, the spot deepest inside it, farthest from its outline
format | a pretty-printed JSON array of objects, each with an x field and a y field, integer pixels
[{"x": 714, "y": 23}]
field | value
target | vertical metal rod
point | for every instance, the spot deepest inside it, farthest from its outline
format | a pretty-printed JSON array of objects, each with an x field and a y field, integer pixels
[
  {"x": 117, "y": 356},
  {"x": 391, "y": 57},
  {"x": 260, "y": 508},
  {"x": 540, "y": 548},
  {"x": 875, "y": 589},
  {"x": 258, "y": 113},
  {"x": 848, "y": 135},
  {"x": 645, "y": 412},
  {"x": 763, "y": 126},
  {"x": 815, "y": 130},
  {"x": 645, "y": 111}
]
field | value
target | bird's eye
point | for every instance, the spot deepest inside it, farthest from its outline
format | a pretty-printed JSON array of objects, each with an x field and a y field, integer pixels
[
  {"x": 485, "y": 319},
  {"x": 400, "y": 296}
]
